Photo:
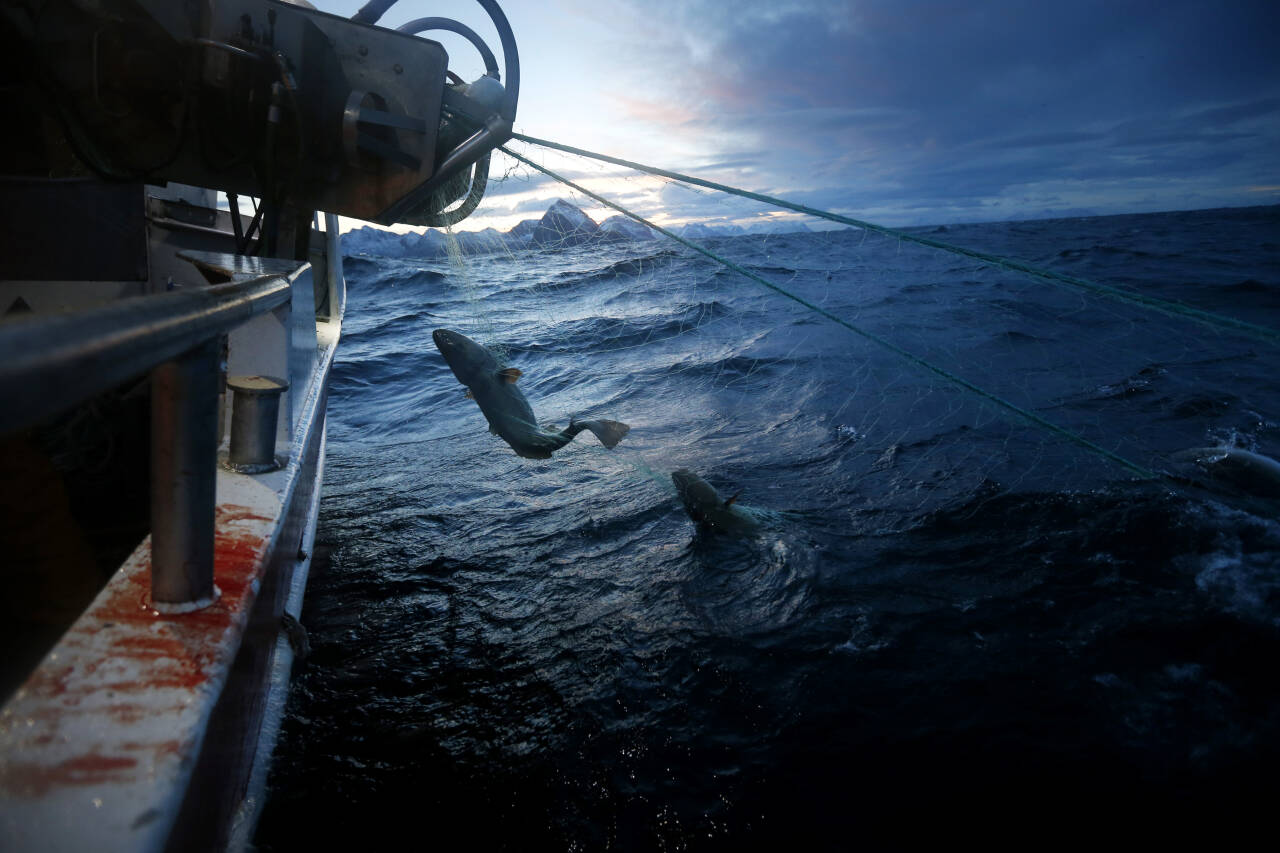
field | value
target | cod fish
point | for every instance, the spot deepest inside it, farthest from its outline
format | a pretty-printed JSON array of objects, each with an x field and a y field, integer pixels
[
  {"x": 705, "y": 506},
  {"x": 1243, "y": 469},
  {"x": 510, "y": 416}
]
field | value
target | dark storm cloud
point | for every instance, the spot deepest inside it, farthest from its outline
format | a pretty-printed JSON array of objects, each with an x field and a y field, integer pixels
[{"x": 958, "y": 102}]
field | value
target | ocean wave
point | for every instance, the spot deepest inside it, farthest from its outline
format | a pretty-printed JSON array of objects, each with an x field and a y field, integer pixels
[
  {"x": 763, "y": 270},
  {"x": 382, "y": 274},
  {"x": 631, "y": 267},
  {"x": 1203, "y": 405},
  {"x": 918, "y": 287},
  {"x": 1013, "y": 336},
  {"x": 1141, "y": 382},
  {"x": 556, "y": 631},
  {"x": 361, "y": 266},
  {"x": 1239, "y": 572},
  {"x": 595, "y": 334},
  {"x": 729, "y": 368},
  {"x": 391, "y": 327},
  {"x": 624, "y": 270},
  {"x": 1251, "y": 285},
  {"x": 1103, "y": 250},
  {"x": 415, "y": 368}
]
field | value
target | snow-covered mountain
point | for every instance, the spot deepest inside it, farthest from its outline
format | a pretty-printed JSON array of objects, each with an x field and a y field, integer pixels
[
  {"x": 627, "y": 227},
  {"x": 562, "y": 225},
  {"x": 786, "y": 226}
]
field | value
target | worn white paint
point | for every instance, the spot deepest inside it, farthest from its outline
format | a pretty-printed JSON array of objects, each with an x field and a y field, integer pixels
[{"x": 98, "y": 746}]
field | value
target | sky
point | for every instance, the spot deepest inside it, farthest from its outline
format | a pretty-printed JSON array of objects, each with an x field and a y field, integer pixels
[{"x": 901, "y": 112}]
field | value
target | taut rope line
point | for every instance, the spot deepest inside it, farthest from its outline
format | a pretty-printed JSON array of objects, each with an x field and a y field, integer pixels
[
  {"x": 1163, "y": 305},
  {"x": 1025, "y": 414}
]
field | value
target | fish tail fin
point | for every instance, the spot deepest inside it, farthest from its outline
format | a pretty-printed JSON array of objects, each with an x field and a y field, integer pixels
[{"x": 609, "y": 432}]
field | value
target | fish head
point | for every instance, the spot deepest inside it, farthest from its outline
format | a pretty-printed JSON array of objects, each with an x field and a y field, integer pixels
[
  {"x": 699, "y": 496},
  {"x": 467, "y": 359}
]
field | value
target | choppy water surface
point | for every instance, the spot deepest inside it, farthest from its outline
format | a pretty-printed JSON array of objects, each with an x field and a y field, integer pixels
[{"x": 950, "y": 608}]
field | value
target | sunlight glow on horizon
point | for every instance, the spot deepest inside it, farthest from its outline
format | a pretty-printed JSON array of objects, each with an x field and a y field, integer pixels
[{"x": 762, "y": 96}]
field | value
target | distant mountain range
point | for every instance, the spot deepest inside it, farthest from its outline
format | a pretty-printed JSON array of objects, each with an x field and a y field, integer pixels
[{"x": 562, "y": 225}]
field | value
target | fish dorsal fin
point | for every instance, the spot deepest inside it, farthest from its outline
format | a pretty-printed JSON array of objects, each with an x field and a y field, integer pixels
[
  {"x": 469, "y": 395},
  {"x": 509, "y": 374},
  {"x": 728, "y": 503}
]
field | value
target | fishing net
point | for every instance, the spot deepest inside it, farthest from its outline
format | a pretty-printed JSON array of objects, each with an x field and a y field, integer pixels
[
  {"x": 959, "y": 470},
  {"x": 890, "y": 370}
]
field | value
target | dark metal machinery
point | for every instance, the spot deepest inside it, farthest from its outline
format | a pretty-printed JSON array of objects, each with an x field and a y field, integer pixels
[
  {"x": 282, "y": 102},
  {"x": 106, "y": 99}
]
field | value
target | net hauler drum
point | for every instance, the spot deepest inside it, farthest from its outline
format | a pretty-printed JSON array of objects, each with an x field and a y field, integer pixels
[{"x": 303, "y": 109}]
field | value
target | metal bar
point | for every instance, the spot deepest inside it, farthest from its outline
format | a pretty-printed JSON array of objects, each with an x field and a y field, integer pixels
[
  {"x": 386, "y": 119},
  {"x": 495, "y": 132},
  {"x": 48, "y": 364},
  {"x": 460, "y": 104},
  {"x": 184, "y": 447},
  {"x": 373, "y": 145}
]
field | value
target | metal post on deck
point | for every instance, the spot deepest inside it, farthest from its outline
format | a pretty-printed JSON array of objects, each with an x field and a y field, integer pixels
[{"x": 184, "y": 446}]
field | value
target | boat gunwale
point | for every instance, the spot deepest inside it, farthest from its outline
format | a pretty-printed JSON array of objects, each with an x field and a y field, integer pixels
[{"x": 99, "y": 744}]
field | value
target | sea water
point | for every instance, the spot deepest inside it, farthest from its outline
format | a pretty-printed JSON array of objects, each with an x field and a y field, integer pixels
[{"x": 956, "y": 608}]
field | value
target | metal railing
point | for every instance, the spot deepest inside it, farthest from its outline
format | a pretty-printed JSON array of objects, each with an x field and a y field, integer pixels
[{"x": 49, "y": 364}]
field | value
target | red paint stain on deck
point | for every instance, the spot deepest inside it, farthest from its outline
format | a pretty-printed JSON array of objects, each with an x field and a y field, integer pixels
[
  {"x": 228, "y": 513},
  {"x": 159, "y": 750},
  {"x": 130, "y": 599},
  {"x": 128, "y": 713},
  {"x": 36, "y": 780},
  {"x": 124, "y": 650},
  {"x": 51, "y": 680},
  {"x": 152, "y": 650}
]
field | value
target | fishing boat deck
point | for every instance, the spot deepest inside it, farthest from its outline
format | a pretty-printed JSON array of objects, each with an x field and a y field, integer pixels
[{"x": 141, "y": 728}]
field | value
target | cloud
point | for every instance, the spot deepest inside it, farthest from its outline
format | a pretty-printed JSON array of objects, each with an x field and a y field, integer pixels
[
  {"x": 1043, "y": 140},
  {"x": 733, "y": 164},
  {"x": 963, "y": 104}
]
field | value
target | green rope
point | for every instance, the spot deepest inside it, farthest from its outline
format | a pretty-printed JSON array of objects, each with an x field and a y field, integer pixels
[
  {"x": 1121, "y": 294},
  {"x": 1025, "y": 414}
]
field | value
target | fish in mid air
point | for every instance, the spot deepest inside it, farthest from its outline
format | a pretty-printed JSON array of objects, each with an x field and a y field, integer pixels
[
  {"x": 705, "y": 506},
  {"x": 510, "y": 416}
]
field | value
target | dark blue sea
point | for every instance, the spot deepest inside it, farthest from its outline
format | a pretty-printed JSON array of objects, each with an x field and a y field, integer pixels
[{"x": 956, "y": 618}]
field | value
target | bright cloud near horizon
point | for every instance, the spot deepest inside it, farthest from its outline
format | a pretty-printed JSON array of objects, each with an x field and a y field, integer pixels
[{"x": 897, "y": 111}]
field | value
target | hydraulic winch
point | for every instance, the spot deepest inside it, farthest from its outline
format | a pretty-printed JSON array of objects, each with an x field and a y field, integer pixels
[{"x": 257, "y": 97}]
